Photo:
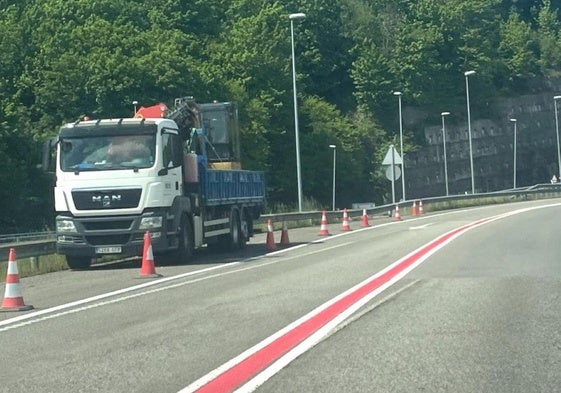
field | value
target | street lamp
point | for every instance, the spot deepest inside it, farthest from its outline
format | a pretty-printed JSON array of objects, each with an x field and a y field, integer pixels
[
  {"x": 514, "y": 181},
  {"x": 398, "y": 94},
  {"x": 557, "y": 130},
  {"x": 444, "y": 114},
  {"x": 334, "y": 147},
  {"x": 466, "y": 74},
  {"x": 296, "y": 134}
]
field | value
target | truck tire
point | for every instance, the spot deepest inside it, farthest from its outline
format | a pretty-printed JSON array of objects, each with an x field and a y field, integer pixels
[
  {"x": 245, "y": 228},
  {"x": 185, "y": 239},
  {"x": 78, "y": 262},
  {"x": 232, "y": 240},
  {"x": 235, "y": 230}
]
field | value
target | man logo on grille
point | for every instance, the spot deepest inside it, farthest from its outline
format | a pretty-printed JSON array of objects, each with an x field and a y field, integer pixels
[{"x": 106, "y": 200}]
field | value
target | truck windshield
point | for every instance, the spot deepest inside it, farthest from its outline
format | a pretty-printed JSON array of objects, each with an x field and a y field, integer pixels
[{"x": 99, "y": 153}]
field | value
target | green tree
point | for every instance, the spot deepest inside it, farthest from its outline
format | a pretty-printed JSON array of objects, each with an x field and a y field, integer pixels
[
  {"x": 63, "y": 58},
  {"x": 518, "y": 50},
  {"x": 372, "y": 77},
  {"x": 549, "y": 38}
]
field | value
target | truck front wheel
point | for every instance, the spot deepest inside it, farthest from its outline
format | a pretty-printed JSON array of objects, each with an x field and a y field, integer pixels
[
  {"x": 78, "y": 262},
  {"x": 185, "y": 239}
]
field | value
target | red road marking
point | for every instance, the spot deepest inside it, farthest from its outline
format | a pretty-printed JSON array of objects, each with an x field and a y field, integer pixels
[{"x": 249, "y": 367}]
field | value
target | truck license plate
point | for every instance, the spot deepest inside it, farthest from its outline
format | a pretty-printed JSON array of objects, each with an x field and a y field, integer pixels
[{"x": 108, "y": 250}]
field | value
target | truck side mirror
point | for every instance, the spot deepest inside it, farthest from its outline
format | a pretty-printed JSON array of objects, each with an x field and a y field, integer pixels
[{"x": 49, "y": 155}]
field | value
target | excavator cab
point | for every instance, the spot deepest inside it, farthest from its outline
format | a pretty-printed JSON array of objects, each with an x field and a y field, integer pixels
[
  {"x": 221, "y": 134},
  {"x": 209, "y": 130}
]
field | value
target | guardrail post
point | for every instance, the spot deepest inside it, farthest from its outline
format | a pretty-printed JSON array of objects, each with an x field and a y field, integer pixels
[{"x": 34, "y": 263}]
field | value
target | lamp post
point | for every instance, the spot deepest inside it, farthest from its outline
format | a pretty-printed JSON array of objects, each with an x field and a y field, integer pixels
[
  {"x": 444, "y": 114},
  {"x": 467, "y": 74},
  {"x": 514, "y": 176},
  {"x": 398, "y": 94},
  {"x": 334, "y": 147},
  {"x": 557, "y": 131},
  {"x": 296, "y": 133}
]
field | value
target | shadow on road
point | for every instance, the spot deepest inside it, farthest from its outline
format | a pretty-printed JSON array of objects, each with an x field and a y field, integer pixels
[{"x": 203, "y": 256}]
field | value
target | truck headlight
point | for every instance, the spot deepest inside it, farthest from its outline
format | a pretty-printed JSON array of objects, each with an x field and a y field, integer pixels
[
  {"x": 151, "y": 222},
  {"x": 65, "y": 226}
]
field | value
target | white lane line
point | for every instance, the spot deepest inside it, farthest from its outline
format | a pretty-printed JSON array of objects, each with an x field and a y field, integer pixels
[
  {"x": 420, "y": 226},
  {"x": 265, "y": 374},
  {"x": 51, "y": 313},
  {"x": 110, "y": 294},
  {"x": 252, "y": 360},
  {"x": 5, "y": 324}
]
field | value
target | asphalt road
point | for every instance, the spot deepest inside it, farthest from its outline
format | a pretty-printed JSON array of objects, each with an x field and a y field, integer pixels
[{"x": 476, "y": 308}]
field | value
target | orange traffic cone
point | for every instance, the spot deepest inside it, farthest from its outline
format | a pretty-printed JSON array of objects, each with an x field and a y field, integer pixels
[
  {"x": 421, "y": 210},
  {"x": 414, "y": 209},
  {"x": 323, "y": 229},
  {"x": 13, "y": 301},
  {"x": 271, "y": 246},
  {"x": 284, "y": 235},
  {"x": 345, "y": 225},
  {"x": 397, "y": 216},
  {"x": 147, "y": 268},
  {"x": 364, "y": 219}
]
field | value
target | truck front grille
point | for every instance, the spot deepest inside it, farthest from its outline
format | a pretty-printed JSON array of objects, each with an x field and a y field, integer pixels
[
  {"x": 107, "y": 240},
  {"x": 106, "y": 199},
  {"x": 102, "y": 225}
]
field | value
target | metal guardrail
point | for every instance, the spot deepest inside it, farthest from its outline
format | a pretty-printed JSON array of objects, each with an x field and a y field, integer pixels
[
  {"x": 26, "y": 237},
  {"x": 533, "y": 192},
  {"x": 43, "y": 243},
  {"x": 29, "y": 249}
]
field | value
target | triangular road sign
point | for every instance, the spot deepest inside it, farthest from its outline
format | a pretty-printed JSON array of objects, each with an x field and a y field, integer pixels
[{"x": 396, "y": 157}]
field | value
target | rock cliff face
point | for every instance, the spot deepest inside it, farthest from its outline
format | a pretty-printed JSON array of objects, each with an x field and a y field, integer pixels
[{"x": 492, "y": 145}]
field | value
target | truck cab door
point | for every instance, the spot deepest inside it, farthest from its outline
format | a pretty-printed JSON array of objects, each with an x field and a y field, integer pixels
[{"x": 172, "y": 159}]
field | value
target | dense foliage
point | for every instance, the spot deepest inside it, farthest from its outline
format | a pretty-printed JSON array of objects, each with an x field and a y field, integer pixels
[{"x": 64, "y": 58}]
